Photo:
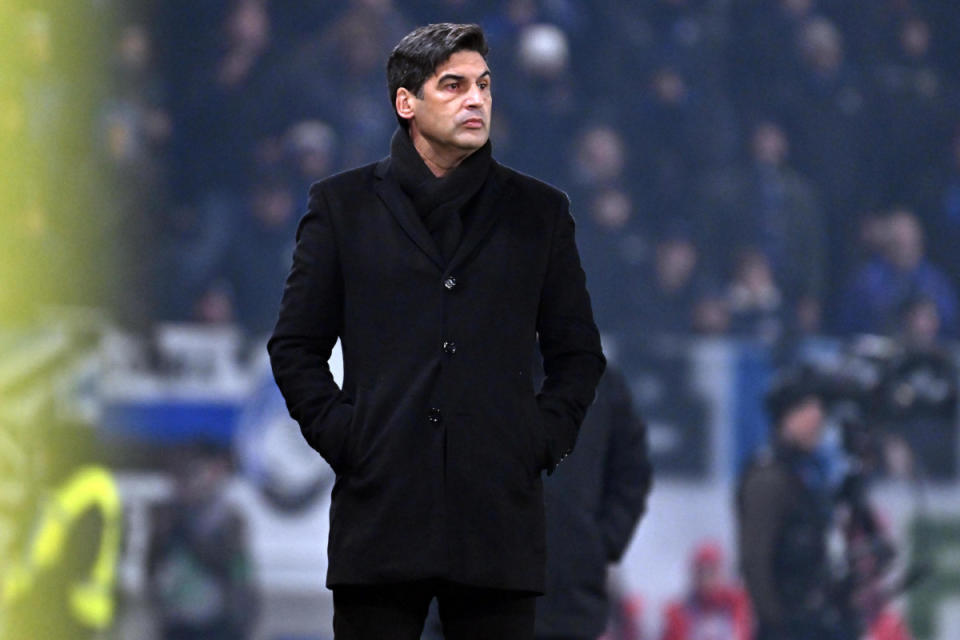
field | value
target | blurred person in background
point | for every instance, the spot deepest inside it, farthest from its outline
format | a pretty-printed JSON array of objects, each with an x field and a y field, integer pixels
[
  {"x": 593, "y": 504},
  {"x": 711, "y": 312},
  {"x": 200, "y": 578},
  {"x": 437, "y": 436},
  {"x": 258, "y": 258},
  {"x": 716, "y": 608},
  {"x": 134, "y": 136},
  {"x": 346, "y": 93},
  {"x": 918, "y": 403},
  {"x": 627, "y": 615},
  {"x": 878, "y": 289},
  {"x": 913, "y": 111},
  {"x": 679, "y": 132},
  {"x": 223, "y": 94},
  {"x": 664, "y": 299},
  {"x": 768, "y": 205},
  {"x": 756, "y": 301},
  {"x": 611, "y": 238},
  {"x": 919, "y": 324},
  {"x": 541, "y": 97},
  {"x": 309, "y": 150},
  {"x": 784, "y": 509},
  {"x": 824, "y": 109},
  {"x": 196, "y": 245}
]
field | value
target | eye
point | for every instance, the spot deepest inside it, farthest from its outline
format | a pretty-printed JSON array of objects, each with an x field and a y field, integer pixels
[
  {"x": 453, "y": 86},
  {"x": 483, "y": 85}
]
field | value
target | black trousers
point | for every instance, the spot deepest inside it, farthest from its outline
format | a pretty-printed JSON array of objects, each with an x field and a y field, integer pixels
[{"x": 398, "y": 611}]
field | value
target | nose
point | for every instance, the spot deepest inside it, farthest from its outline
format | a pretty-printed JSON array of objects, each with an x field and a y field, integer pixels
[{"x": 474, "y": 97}]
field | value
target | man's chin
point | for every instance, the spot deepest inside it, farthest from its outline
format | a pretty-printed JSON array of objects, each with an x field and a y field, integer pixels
[{"x": 472, "y": 142}]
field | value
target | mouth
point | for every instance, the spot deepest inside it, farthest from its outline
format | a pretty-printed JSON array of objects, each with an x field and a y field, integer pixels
[{"x": 473, "y": 123}]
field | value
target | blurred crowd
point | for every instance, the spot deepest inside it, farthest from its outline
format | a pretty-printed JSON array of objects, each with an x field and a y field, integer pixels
[{"x": 756, "y": 168}]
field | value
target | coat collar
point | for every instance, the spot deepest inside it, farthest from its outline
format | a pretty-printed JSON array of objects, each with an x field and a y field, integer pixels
[{"x": 486, "y": 214}]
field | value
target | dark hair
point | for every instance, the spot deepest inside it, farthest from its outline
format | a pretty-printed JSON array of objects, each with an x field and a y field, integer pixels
[
  {"x": 417, "y": 56},
  {"x": 788, "y": 389}
]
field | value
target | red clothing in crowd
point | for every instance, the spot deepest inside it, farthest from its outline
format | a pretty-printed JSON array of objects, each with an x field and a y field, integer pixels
[{"x": 723, "y": 615}]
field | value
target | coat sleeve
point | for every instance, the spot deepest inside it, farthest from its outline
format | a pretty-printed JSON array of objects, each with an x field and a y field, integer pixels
[
  {"x": 761, "y": 507},
  {"x": 307, "y": 328},
  {"x": 569, "y": 343},
  {"x": 627, "y": 472}
]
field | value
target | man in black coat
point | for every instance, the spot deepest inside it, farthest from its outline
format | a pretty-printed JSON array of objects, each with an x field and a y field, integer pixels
[
  {"x": 785, "y": 504},
  {"x": 439, "y": 270},
  {"x": 594, "y": 502}
]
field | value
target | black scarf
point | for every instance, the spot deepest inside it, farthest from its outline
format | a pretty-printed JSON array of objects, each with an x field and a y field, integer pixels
[{"x": 442, "y": 203}]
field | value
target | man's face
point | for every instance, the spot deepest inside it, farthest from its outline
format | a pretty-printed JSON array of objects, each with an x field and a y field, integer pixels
[
  {"x": 904, "y": 240},
  {"x": 456, "y": 104},
  {"x": 803, "y": 424}
]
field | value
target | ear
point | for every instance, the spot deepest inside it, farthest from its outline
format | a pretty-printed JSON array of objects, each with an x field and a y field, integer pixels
[{"x": 404, "y": 103}]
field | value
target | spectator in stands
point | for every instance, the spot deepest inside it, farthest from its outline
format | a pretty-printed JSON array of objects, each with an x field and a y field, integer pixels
[
  {"x": 824, "y": 108},
  {"x": 135, "y": 133},
  {"x": 260, "y": 252},
  {"x": 912, "y": 112},
  {"x": 756, "y": 302},
  {"x": 540, "y": 98},
  {"x": 195, "y": 248},
  {"x": 920, "y": 324},
  {"x": 612, "y": 243},
  {"x": 310, "y": 152},
  {"x": 347, "y": 94},
  {"x": 665, "y": 298},
  {"x": 680, "y": 131},
  {"x": 715, "y": 608},
  {"x": 770, "y": 206},
  {"x": 626, "y": 615},
  {"x": 877, "y": 291},
  {"x": 216, "y": 304},
  {"x": 689, "y": 33},
  {"x": 225, "y": 100},
  {"x": 919, "y": 399},
  {"x": 711, "y": 312}
]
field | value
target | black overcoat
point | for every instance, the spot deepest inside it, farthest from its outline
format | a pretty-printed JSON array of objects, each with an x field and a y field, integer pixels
[
  {"x": 438, "y": 437},
  {"x": 594, "y": 501}
]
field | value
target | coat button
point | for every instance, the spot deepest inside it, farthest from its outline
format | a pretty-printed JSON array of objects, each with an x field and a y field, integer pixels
[
  {"x": 434, "y": 416},
  {"x": 449, "y": 348},
  {"x": 450, "y": 283}
]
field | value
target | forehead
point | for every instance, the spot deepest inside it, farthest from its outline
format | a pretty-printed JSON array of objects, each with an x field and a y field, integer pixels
[{"x": 462, "y": 63}]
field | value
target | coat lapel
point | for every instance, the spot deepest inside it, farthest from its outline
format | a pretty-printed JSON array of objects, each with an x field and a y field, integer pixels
[
  {"x": 486, "y": 213},
  {"x": 399, "y": 205}
]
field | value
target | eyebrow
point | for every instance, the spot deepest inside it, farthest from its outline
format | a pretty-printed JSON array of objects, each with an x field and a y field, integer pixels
[{"x": 458, "y": 78}]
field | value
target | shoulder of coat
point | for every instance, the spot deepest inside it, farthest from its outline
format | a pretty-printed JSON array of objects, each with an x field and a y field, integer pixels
[
  {"x": 350, "y": 177},
  {"x": 529, "y": 184},
  {"x": 764, "y": 468}
]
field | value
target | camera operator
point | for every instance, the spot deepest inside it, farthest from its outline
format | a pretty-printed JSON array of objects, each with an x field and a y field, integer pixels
[{"x": 785, "y": 506}]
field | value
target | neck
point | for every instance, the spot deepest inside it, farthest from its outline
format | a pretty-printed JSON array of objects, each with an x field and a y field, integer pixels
[
  {"x": 440, "y": 161},
  {"x": 792, "y": 445}
]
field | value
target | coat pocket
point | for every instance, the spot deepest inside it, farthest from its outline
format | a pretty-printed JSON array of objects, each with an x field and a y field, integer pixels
[
  {"x": 536, "y": 432},
  {"x": 353, "y": 449}
]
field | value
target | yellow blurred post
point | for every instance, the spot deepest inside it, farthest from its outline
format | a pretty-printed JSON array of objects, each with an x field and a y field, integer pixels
[{"x": 54, "y": 252}]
